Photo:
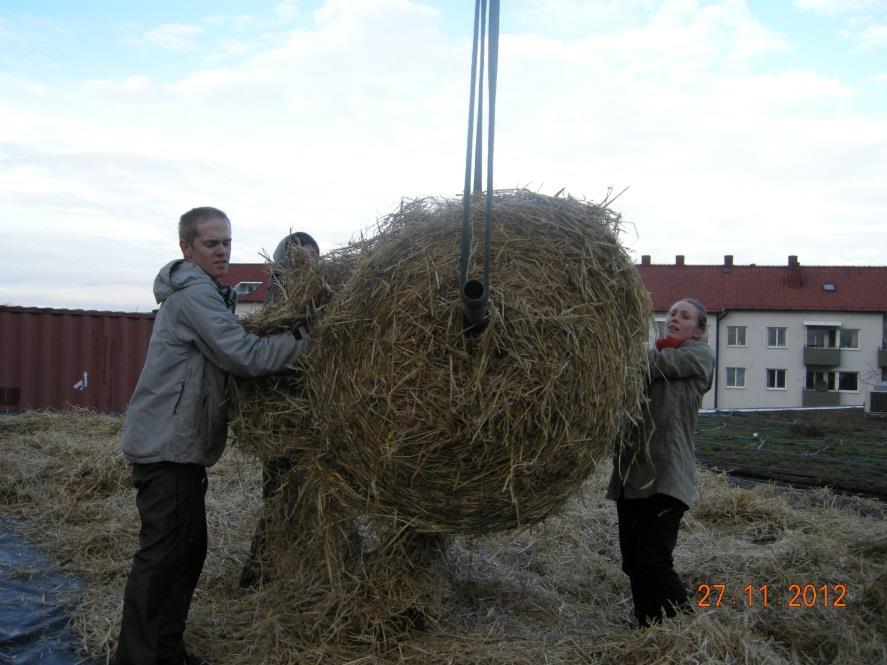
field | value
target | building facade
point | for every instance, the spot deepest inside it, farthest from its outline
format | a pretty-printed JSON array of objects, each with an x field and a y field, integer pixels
[
  {"x": 791, "y": 359},
  {"x": 784, "y": 336},
  {"x": 251, "y": 281}
]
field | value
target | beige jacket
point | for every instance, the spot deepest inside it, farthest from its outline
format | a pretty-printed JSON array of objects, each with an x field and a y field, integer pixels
[{"x": 667, "y": 465}]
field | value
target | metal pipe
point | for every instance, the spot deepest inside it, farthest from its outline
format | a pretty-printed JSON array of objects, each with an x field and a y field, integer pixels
[
  {"x": 474, "y": 301},
  {"x": 720, "y": 316}
]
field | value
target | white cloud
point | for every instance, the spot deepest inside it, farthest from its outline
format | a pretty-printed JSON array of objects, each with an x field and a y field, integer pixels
[
  {"x": 646, "y": 26},
  {"x": 792, "y": 93},
  {"x": 238, "y": 47},
  {"x": 325, "y": 129},
  {"x": 138, "y": 87},
  {"x": 575, "y": 17},
  {"x": 173, "y": 36},
  {"x": 863, "y": 22},
  {"x": 287, "y": 10},
  {"x": 235, "y": 21},
  {"x": 25, "y": 84},
  {"x": 757, "y": 152},
  {"x": 873, "y": 36},
  {"x": 836, "y": 7}
]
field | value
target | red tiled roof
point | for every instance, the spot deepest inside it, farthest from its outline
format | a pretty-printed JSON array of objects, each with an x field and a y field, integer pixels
[
  {"x": 249, "y": 272},
  {"x": 718, "y": 287}
]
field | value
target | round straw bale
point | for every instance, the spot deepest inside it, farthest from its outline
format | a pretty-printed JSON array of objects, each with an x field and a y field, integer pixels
[
  {"x": 271, "y": 417},
  {"x": 459, "y": 434}
]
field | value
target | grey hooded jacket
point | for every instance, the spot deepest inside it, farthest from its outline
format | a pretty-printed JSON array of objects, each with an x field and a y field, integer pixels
[
  {"x": 667, "y": 463},
  {"x": 178, "y": 411}
]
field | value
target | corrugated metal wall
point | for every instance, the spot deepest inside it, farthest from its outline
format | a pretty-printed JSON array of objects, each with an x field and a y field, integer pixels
[{"x": 55, "y": 358}]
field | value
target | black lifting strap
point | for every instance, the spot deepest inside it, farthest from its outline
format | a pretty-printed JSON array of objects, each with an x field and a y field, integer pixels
[{"x": 476, "y": 293}]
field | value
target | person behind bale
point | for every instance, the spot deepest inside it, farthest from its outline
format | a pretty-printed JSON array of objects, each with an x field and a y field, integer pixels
[
  {"x": 653, "y": 472},
  {"x": 176, "y": 427},
  {"x": 276, "y": 469}
]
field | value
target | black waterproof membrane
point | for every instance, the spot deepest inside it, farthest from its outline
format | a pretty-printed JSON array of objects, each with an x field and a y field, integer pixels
[{"x": 35, "y": 601}]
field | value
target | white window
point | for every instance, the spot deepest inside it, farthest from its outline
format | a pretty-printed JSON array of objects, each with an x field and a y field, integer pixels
[
  {"x": 820, "y": 380},
  {"x": 849, "y": 338},
  {"x": 776, "y": 337},
  {"x": 246, "y": 288},
  {"x": 735, "y": 377},
  {"x": 848, "y": 382},
  {"x": 822, "y": 338},
  {"x": 735, "y": 335},
  {"x": 776, "y": 379}
]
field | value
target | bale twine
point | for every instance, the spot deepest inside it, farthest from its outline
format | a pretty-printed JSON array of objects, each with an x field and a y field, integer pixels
[{"x": 453, "y": 434}]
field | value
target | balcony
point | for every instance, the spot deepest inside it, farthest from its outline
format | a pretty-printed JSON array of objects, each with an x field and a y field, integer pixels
[
  {"x": 820, "y": 398},
  {"x": 882, "y": 356},
  {"x": 816, "y": 355}
]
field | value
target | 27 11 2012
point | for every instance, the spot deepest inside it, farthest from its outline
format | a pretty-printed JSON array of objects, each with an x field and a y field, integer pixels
[{"x": 797, "y": 595}]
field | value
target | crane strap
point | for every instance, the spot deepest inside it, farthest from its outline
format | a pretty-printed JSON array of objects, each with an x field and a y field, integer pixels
[{"x": 475, "y": 293}]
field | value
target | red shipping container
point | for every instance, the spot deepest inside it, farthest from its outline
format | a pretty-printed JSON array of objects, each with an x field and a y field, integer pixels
[{"x": 56, "y": 358}]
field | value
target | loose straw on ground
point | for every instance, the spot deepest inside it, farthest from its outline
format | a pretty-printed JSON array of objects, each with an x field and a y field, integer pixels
[{"x": 552, "y": 593}]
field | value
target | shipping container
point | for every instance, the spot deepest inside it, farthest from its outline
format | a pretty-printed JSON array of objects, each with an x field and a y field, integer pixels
[{"x": 57, "y": 358}]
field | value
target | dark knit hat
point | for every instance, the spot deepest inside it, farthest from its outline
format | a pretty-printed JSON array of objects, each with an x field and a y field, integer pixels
[{"x": 299, "y": 238}]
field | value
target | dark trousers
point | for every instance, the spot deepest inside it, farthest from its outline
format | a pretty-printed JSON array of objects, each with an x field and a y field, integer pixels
[
  {"x": 648, "y": 532},
  {"x": 274, "y": 472},
  {"x": 167, "y": 565}
]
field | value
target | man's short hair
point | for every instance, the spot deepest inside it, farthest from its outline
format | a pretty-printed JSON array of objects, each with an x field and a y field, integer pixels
[{"x": 189, "y": 221}]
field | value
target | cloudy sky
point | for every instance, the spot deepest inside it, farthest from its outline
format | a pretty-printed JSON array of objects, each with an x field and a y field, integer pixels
[{"x": 756, "y": 128}]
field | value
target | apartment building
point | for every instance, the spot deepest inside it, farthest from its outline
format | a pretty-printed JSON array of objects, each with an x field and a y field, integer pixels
[
  {"x": 251, "y": 281},
  {"x": 784, "y": 336}
]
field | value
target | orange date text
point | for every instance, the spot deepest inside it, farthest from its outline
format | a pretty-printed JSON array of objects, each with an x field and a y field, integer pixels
[{"x": 769, "y": 595}]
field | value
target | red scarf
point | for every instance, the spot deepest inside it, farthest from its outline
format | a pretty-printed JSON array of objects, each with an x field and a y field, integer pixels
[{"x": 668, "y": 343}]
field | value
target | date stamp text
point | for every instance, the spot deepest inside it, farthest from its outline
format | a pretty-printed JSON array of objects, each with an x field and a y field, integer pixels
[{"x": 768, "y": 595}]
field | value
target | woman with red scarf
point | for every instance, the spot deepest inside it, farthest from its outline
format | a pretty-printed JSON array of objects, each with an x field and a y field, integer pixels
[{"x": 653, "y": 472}]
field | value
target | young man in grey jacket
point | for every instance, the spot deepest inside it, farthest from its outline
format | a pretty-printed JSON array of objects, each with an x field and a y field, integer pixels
[{"x": 176, "y": 426}]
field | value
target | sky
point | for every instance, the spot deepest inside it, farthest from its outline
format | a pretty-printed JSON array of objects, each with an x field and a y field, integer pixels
[{"x": 756, "y": 128}]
